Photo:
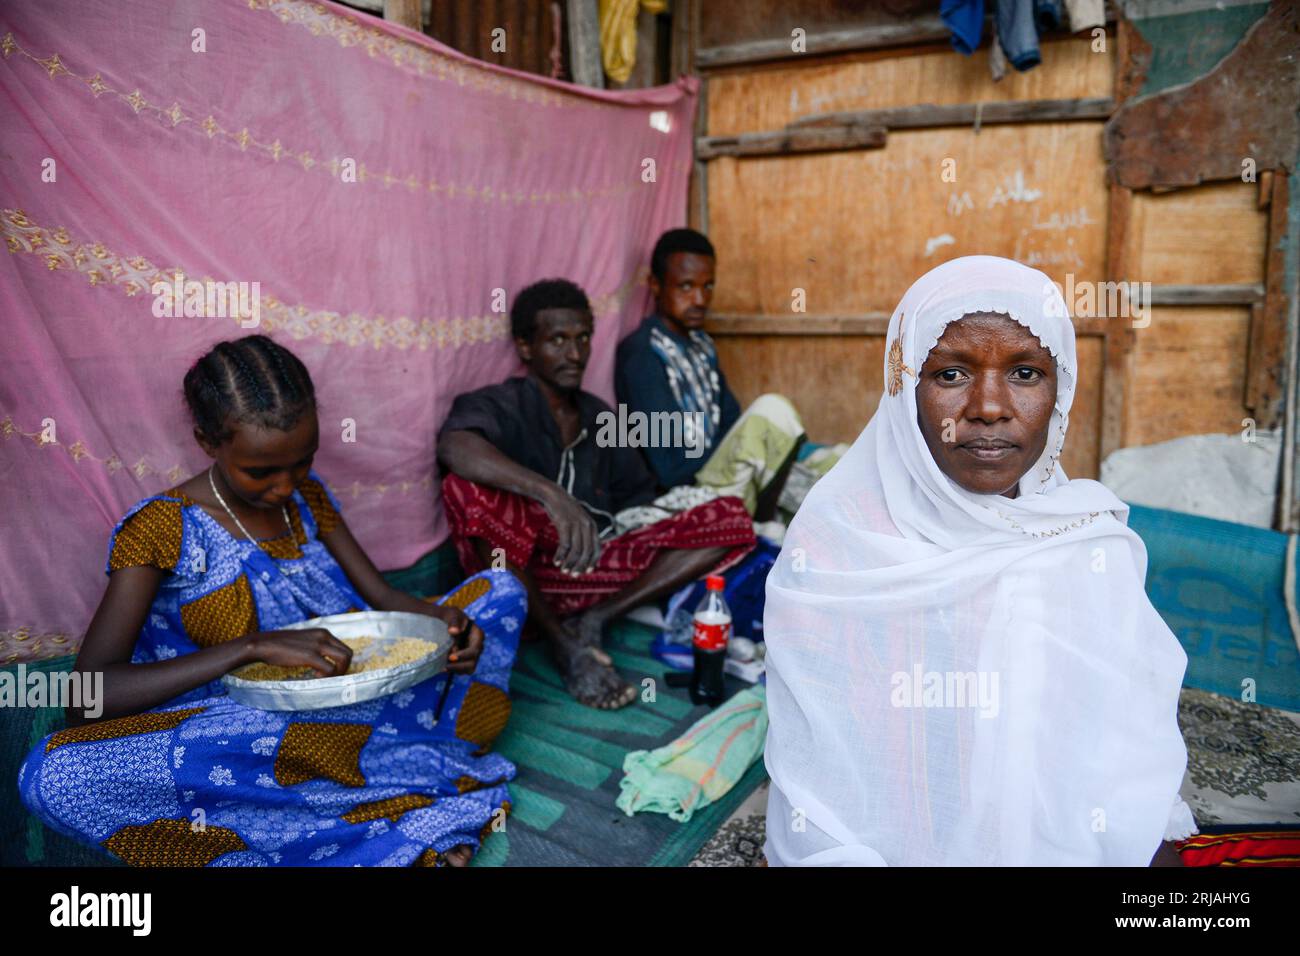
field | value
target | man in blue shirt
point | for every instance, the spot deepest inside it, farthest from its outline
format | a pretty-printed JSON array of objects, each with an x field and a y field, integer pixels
[{"x": 669, "y": 367}]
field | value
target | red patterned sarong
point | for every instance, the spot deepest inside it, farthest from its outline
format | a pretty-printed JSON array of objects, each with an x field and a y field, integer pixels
[{"x": 522, "y": 529}]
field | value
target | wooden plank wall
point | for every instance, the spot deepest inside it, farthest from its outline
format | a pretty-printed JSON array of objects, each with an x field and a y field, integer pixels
[
  {"x": 853, "y": 229},
  {"x": 1187, "y": 373}
]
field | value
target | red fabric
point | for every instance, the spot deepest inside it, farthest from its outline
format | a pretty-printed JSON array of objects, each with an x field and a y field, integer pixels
[
  {"x": 1254, "y": 848},
  {"x": 521, "y": 528}
]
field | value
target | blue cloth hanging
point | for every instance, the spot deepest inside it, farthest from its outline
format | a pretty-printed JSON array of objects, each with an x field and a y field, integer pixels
[{"x": 965, "y": 18}]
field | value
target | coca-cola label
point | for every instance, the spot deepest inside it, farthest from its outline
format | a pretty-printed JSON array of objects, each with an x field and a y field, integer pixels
[{"x": 711, "y": 637}]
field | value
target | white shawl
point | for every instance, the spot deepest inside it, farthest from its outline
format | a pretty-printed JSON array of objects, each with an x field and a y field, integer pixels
[{"x": 963, "y": 679}]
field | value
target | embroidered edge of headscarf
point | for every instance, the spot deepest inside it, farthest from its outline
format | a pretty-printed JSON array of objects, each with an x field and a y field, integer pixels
[{"x": 896, "y": 364}]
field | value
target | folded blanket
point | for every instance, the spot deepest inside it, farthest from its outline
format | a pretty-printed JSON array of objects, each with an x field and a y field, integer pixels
[{"x": 700, "y": 766}]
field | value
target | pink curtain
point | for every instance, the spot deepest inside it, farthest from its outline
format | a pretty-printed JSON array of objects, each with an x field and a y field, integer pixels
[{"x": 379, "y": 187}]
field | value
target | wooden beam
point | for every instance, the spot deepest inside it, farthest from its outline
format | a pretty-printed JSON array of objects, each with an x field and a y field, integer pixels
[
  {"x": 697, "y": 214},
  {"x": 1206, "y": 294},
  {"x": 917, "y": 30},
  {"x": 682, "y": 38},
  {"x": 1255, "y": 363},
  {"x": 870, "y": 323},
  {"x": 405, "y": 13},
  {"x": 1268, "y": 333},
  {"x": 927, "y": 29},
  {"x": 1288, "y": 498},
  {"x": 1118, "y": 341},
  {"x": 1117, "y": 345},
  {"x": 867, "y": 129},
  {"x": 788, "y": 141},
  {"x": 1265, "y": 194},
  {"x": 865, "y": 323},
  {"x": 585, "y": 67},
  {"x": 930, "y": 116}
]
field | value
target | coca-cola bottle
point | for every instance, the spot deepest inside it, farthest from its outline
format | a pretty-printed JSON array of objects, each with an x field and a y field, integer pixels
[{"x": 711, "y": 634}]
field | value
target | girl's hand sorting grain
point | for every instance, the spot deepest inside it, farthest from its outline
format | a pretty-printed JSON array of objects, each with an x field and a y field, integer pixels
[
  {"x": 466, "y": 635},
  {"x": 312, "y": 647}
]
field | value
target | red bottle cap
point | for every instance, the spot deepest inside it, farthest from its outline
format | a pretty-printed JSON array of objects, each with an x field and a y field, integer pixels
[{"x": 715, "y": 582}]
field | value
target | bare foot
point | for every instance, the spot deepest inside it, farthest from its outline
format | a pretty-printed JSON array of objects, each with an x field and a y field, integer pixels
[
  {"x": 589, "y": 675},
  {"x": 459, "y": 855},
  {"x": 589, "y": 627}
]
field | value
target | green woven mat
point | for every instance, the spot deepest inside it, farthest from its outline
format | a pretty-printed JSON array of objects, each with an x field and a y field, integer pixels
[{"x": 570, "y": 761}]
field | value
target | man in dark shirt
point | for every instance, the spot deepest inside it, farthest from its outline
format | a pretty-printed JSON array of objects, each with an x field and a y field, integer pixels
[
  {"x": 669, "y": 366},
  {"x": 535, "y": 485}
]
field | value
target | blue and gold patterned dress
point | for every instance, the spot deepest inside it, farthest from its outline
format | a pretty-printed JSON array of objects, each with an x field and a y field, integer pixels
[{"x": 203, "y": 780}]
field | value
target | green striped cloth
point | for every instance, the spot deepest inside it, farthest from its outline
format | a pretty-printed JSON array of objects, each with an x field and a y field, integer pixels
[{"x": 700, "y": 766}]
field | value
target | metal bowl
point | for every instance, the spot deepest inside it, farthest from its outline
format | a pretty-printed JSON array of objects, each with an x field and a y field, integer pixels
[{"x": 318, "y": 693}]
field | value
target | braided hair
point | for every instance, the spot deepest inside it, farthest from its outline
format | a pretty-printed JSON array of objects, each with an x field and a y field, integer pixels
[{"x": 247, "y": 381}]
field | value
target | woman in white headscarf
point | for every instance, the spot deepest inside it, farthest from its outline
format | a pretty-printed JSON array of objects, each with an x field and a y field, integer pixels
[{"x": 963, "y": 666}]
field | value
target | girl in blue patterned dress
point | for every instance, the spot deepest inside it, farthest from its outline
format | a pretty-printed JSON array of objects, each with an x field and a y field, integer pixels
[{"x": 201, "y": 579}]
